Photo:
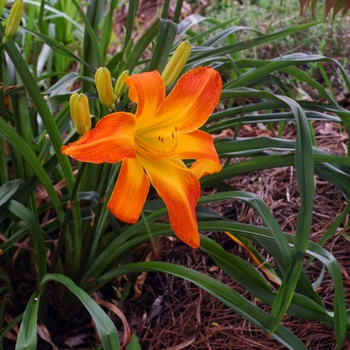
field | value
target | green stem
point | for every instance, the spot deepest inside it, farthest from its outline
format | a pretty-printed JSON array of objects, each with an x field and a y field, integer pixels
[
  {"x": 177, "y": 12},
  {"x": 67, "y": 217},
  {"x": 91, "y": 243},
  {"x": 3, "y": 165},
  {"x": 36, "y": 42},
  {"x": 165, "y": 9},
  {"x": 148, "y": 229}
]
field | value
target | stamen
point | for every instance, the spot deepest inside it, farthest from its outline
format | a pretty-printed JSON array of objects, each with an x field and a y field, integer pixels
[{"x": 160, "y": 152}]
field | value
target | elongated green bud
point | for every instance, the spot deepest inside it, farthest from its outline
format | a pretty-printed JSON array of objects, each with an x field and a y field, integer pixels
[
  {"x": 176, "y": 63},
  {"x": 120, "y": 84},
  {"x": 13, "y": 21},
  {"x": 80, "y": 112},
  {"x": 103, "y": 81},
  {"x": 2, "y": 5}
]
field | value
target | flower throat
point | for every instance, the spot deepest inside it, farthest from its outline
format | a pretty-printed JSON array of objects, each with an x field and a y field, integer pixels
[{"x": 160, "y": 151}]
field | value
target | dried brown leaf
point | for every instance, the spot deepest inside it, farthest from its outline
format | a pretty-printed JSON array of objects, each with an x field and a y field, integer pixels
[{"x": 45, "y": 334}]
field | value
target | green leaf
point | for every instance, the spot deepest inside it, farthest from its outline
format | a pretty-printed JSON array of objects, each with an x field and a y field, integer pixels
[
  {"x": 253, "y": 232},
  {"x": 8, "y": 189},
  {"x": 60, "y": 14},
  {"x": 220, "y": 291},
  {"x": 10, "y": 326},
  {"x": 107, "y": 28},
  {"x": 242, "y": 272},
  {"x": 58, "y": 47},
  {"x": 284, "y": 256},
  {"x": 193, "y": 20},
  {"x": 278, "y": 64},
  {"x": 238, "y": 269},
  {"x": 105, "y": 327},
  {"x": 304, "y": 164},
  {"x": 133, "y": 6},
  {"x": 167, "y": 33},
  {"x": 91, "y": 21},
  {"x": 27, "y": 335},
  {"x": 140, "y": 47},
  {"x": 20, "y": 234},
  {"x": 32, "y": 160},
  {"x": 244, "y": 45},
  {"x": 134, "y": 343},
  {"x": 200, "y": 36},
  {"x": 41, "y": 107},
  {"x": 37, "y": 235},
  {"x": 61, "y": 87}
]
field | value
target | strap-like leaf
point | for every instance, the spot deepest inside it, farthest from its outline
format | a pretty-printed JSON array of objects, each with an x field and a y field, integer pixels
[
  {"x": 160, "y": 55},
  {"x": 27, "y": 336},
  {"x": 105, "y": 327},
  {"x": 220, "y": 291}
]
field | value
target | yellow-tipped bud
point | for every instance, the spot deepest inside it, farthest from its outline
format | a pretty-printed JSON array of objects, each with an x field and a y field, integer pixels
[
  {"x": 2, "y": 5},
  {"x": 176, "y": 63},
  {"x": 13, "y": 21},
  {"x": 104, "y": 87},
  {"x": 80, "y": 112},
  {"x": 120, "y": 84}
]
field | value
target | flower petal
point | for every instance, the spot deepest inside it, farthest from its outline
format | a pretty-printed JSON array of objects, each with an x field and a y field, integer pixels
[
  {"x": 180, "y": 190},
  {"x": 203, "y": 167},
  {"x": 130, "y": 192},
  {"x": 110, "y": 141},
  {"x": 190, "y": 103},
  {"x": 196, "y": 145},
  {"x": 148, "y": 91}
]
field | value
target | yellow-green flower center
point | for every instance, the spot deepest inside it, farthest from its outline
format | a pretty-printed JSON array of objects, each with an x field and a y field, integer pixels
[{"x": 157, "y": 148}]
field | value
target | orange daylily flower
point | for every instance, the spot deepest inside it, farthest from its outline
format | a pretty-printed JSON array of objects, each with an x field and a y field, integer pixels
[{"x": 152, "y": 144}]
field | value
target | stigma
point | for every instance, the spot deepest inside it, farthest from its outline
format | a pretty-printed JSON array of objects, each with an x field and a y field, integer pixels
[{"x": 164, "y": 146}]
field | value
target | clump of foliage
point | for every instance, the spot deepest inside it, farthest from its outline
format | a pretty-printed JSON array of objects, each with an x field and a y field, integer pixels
[{"x": 58, "y": 237}]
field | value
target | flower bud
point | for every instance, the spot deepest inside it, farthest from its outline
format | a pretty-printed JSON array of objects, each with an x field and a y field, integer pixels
[
  {"x": 80, "y": 112},
  {"x": 13, "y": 21},
  {"x": 104, "y": 87},
  {"x": 120, "y": 84},
  {"x": 176, "y": 63},
  {"x": 2, "y": 5}
]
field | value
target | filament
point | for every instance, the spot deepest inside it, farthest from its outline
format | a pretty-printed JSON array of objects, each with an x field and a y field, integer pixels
[{"x": 157, "y": 152}]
